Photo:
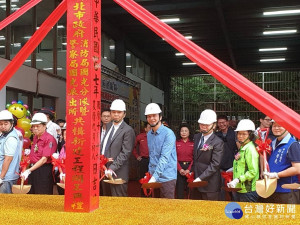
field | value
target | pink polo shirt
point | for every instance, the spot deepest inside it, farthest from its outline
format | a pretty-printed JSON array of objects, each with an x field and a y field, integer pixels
[{"x": 44, "y": 146}]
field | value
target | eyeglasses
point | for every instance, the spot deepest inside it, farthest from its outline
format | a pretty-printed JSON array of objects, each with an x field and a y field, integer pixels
[{"x": 269, "y": 120}]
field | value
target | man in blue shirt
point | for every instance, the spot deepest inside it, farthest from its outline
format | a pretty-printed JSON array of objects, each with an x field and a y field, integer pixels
[
  {"x": 10, "y": 152},
  {"x": 284, "y": 164},
  {"x": 162, "y": 152}
]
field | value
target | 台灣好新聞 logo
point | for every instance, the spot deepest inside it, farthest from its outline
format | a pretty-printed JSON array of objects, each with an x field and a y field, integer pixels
[{"x": 233, "y": 210}]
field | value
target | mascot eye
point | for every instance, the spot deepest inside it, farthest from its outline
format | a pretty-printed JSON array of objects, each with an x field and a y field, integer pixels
[
  {"x": 22, "y": 109},
  {"x": 15, "y": 108}
]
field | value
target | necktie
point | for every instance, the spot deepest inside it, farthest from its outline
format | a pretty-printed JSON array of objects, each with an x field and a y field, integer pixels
[
  {"x": 109, "y": 140},
  {"x": 201, "y": 142}
]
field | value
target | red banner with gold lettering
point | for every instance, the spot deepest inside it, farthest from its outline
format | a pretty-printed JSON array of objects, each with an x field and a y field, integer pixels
[{"x": 83, "y": 105}]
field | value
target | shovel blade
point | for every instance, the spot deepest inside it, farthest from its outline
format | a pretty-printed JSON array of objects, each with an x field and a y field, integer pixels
[
  {"x": 265, "y": 188},
  {"x": 18, "y": 189},
  {"x": 293, "y": 186},
  {"x": 62, "y": 185},
  {"x": 115, "y": 181}
]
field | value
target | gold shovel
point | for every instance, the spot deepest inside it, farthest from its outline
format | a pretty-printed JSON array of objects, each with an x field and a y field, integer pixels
[
  {"x": 293, "y": 186},
  {"x": 114, "y": 181},
  {"x": 266, "y": 187},
  {"x": 201, "y": 183},
  {"x": 21, "y": 189},
  {"x": 62, "y": 185}
]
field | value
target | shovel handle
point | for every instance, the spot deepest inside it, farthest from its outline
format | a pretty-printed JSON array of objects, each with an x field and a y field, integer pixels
[{"x": 22, "y": 183}]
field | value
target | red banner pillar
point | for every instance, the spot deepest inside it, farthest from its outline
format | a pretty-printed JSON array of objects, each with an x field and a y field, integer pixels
[{"x": 83, "y": 105}]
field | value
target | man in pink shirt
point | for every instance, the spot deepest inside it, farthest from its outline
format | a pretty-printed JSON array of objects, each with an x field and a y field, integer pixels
[
  {"x": 141, "y": 153},
  {"x": 43, "y": 146}
]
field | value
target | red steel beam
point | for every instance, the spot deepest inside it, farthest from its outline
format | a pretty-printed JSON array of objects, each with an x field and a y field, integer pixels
[
  {"x": 32, "y": 43},
  {"x": 253, "y": 94},
  {"x": 11, "y": 18}
]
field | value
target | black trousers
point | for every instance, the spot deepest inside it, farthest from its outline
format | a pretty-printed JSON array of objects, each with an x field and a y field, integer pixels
[
  {"x": 212, "y": 196},
  {"x": 143, "y": 168},
  {"x": 181, "y": 184},
  {"x": 42, "y": 180},
  {"x": 116, "y": 190},
  {"x": 282, "y": 198}
]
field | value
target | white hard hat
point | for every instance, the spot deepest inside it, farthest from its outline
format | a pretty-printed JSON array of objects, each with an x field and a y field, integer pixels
[
  {"x": 39, "y": 118},
  {"x": 208, "y": 116},
  {"x": 152, "y": 108},
  {"x": 244, "y": 125},
  {"x": 6, "y": 115},
  {"x": 118, "y": 105}
]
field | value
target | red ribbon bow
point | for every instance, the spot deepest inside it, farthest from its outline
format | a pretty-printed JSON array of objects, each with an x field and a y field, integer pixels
[
  {"x": 263, "y": 146},
  {"x": 103, "y": 161},
  {"x": 59, "y": 163},
  {"x": 227, "y": 177},
  {"x": 24, "y": 163},
  {"x": 190, "y": 177},
  {"x": 146, "y": 180}
]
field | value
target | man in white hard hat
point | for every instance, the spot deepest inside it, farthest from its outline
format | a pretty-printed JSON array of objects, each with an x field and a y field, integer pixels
[
  {"x": 42, "y": 148},
  {"x": 10, "y": 152},
  {"x": 284, "y": 164},
  {"x": 117, "y": 145},
  {"x": 162, "y": 152},
  {"x": 208, "y": 152}
]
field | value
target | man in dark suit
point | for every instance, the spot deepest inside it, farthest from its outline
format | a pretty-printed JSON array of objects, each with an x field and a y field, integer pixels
[
  {"x": 208, "y": 152},
  {"x": 117, "y": 146}
]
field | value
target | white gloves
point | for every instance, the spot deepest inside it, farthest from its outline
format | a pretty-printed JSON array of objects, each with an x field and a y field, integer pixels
[
  {"x": 26, "y": 151},
  {"x": 197, "y": 180},
  {"x": 271, "y": 175},
  {"x": 25, "y": 174},
  {"x": 55, "y": 155},
  {"x": 109, "y": 173},
  {"x": 233, "y": 183},
  {"x": 1, "y": 181},
  {"x": 152, "y": 180},
  {"x": 62, "y": 176}
]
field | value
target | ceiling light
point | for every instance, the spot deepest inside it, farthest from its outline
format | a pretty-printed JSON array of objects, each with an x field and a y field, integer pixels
[
  {"x": 272, "y": 60},
  {"x": 27, "y": 37},
  {"x": 38, "y": 60},
  {"x": 64, "y": 43},
  {"x": 60, "y": 26},
  {"x": 170, "y": 20},
  {"x": 272, "y": 49},
  {"x": 2, "y": 38},
  {"x": 17, "y": 45},
  {"x": 279, "y": 32},
  {"x": 50, "y": 68},
  {"x": 111, "y": 47},
  {"x": 179, "y": 54},
  {"x": 282, "y": 12},
  {"x": 128, "y": 54},
  {"x": 128, "y": 66},
  {"x": 2, "y": 46},
  {"x": 4, "y": 1},
  {"x": 188, "y": 63}
]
